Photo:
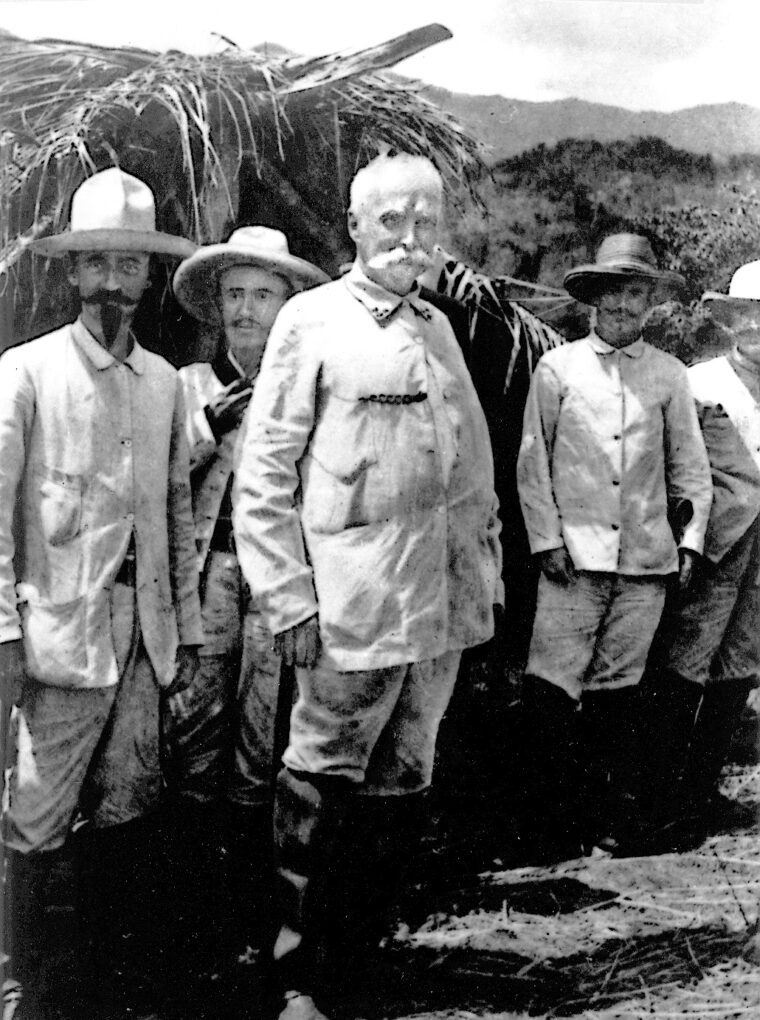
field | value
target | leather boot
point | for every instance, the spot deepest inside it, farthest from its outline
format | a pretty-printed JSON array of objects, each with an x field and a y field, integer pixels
[
  {"x": 717, "y": 719},
  {"x": 551, "y": 777},
  {"x": 250, "y": 871},
  {"x": 611, "y": 762},
  {"x": 309, "y": 828},
  {"x": 27, "y": 878},
  {"x": 196, "y": 908},
  {"x": 669, "y": 710},
  {"x": 120, "y": 912}
]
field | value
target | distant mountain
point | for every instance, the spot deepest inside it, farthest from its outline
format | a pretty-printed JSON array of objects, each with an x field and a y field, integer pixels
[{"x": 510, "y": 126}]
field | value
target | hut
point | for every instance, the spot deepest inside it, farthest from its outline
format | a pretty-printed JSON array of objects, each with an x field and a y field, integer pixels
[{"x": 232, "y": 137}]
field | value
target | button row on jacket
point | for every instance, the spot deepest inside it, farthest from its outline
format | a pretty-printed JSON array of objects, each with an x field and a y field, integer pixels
[{"x": 395, "y": 398}]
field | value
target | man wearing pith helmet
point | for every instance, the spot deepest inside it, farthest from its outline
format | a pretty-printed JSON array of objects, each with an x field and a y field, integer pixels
[
  {"x": 365, "y": 521},
  {"x": 610, "y": 442},
  {"x": 99, "y": 607},
  {"x": 237, "y": 287},
  {"x": 712, "y": 658}
]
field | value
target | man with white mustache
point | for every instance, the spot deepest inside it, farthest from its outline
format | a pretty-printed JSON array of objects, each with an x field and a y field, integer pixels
[{"x": 366, "y": 526}]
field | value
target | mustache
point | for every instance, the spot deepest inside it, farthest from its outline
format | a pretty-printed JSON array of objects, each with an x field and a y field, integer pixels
[
  {"x": 105, "y": 298},
  {"x": 400, "y": 257}
]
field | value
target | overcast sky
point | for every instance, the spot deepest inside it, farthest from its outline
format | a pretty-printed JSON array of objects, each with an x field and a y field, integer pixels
[{"x": 642, "y": 54}]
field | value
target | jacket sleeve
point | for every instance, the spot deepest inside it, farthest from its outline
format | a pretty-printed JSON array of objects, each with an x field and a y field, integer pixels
[
  {"x": 534, "y": 473},
  {"x": 200, "y": 438},
  {"x": 273, "y": 438},
  {"x": 182, "y": 553},
  {"x": 687, "y": 468},
  {"x": 17, "y": 404}
]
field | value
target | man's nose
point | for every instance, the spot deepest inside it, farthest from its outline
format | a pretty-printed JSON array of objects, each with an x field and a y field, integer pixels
[
  {"x": 248, "y": 305},
  {"x": 111, "y": 281}
]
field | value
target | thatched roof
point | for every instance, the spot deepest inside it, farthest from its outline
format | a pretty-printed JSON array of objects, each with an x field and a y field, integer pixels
[{"x": 222, "y": 138}]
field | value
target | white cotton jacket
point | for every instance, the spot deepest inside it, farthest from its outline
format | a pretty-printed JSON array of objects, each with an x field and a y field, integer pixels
[
  {"x": 93, "y": 455},
  {"x": 610, "y": 440},
  {"x": 364, "y": 488}
]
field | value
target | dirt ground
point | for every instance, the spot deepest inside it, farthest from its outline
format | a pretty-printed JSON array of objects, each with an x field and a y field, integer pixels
[{"x": 479, "y": 938}]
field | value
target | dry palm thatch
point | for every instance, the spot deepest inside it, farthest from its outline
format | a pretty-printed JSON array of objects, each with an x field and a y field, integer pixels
[{"x": 221, "y": 138}]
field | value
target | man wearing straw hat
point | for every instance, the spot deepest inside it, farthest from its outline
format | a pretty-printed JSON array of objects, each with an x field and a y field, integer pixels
[
  {"x": 365, "y": 519},
  {"x": 238, "y": 287},
  {"x": 610, "y": 441},
  {"x": 99, "y": 607},
  {"x": 712, "y": 657}
]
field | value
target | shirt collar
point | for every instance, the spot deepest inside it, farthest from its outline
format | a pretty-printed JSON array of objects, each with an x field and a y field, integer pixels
[
  {"x": 634, "y": 350},
  {"x": 382, "y": 304},
  {"x": 99, "y": 356}
]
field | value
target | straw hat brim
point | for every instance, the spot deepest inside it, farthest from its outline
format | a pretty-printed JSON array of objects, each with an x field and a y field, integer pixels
[
  {"x": 151, "y": 242},
  {"x": 586, "y": 283},
  {"x": 196, "y": 279},
  {"x": 722, "y": 305}
]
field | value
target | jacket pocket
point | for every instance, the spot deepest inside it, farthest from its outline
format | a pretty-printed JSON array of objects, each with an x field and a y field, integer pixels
[
  {"x": 60, "y": 505},
  {"x": 55, "y": 639}
]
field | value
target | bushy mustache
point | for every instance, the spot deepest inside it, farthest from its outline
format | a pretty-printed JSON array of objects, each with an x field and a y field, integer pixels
[
  {"x": 108, "y": 297},
  {"x": 402, "y": 256}
]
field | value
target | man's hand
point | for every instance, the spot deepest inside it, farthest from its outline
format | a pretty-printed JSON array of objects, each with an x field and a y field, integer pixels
[
  {"x": 557, "y": 565},
  {"x": 300, "y": 645},
  {"x": 226, "y": 411},
  {"x": 12, "y": 671},
  {"x": 186, "y": 668},
  {"x": 687, "y": 564}
]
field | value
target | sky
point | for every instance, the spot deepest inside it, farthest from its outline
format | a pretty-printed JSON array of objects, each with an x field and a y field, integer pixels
[{"x": 640, "y": 54}]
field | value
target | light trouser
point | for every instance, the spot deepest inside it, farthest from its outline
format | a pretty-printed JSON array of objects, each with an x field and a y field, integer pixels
[{"x": 361, "y": 746}]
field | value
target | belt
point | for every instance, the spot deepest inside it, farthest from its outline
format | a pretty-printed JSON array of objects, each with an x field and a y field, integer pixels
[
  {"x": 127, "y": 572},
  {"x": 223, "y": 538}
]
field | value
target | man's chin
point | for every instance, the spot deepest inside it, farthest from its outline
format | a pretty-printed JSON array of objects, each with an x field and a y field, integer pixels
[{"x": 399, "y": 279}]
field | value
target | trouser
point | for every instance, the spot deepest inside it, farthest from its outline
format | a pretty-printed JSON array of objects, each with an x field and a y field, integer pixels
[{"x": 361, "y": 745}]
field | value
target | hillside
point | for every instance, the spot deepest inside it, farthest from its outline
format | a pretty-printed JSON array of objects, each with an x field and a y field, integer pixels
[{"x": 510, "y": 126}]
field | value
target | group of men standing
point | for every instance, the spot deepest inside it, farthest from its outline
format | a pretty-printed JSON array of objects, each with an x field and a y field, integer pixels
[{"x": 318, "y": 501}]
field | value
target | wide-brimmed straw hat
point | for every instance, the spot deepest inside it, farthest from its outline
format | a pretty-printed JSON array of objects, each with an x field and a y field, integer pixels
[
  {"x": 113, "y": 211},
  {"x": 743, "y": 294},
  {"x": 196, "y": 282},
  {"x": 620, "y": 256}
]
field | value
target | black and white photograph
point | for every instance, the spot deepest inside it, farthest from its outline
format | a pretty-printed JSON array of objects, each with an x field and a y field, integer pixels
[{"x": 379, "y": 510}]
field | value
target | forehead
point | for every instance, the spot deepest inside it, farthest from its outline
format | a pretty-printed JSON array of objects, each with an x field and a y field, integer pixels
[
  {"x": 115, "y": 255},
  {"x": 628, "y": 287},
  {"x": 251, "y": 276},
  {"x": 402, "y": 195}
]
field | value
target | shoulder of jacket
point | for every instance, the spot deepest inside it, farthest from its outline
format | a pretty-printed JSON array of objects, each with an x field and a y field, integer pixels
[{"x": 159, "y": 364}]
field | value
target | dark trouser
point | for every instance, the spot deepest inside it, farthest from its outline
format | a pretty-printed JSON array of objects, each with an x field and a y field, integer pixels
[
  {"x": 251, "y": 875},
  {"x": 339, "y": 858}
]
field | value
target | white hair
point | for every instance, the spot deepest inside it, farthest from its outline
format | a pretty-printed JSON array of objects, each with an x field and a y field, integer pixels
[{"x": 386, "y": 171}]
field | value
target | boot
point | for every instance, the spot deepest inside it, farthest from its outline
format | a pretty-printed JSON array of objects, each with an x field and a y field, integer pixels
[
  {"x": 27, "y": 878},
  {"x": 250, "y": 871},
  {"x": 196, "y": 908},
  {"x": 611, "y": 762},
  {"x": 718, "y": 718},
  {"x": 309, "y": 829},
  {"x": 551, "y": 777},
  {"x": 120, "y": 876},
  {"x": 669, "y": 710}
]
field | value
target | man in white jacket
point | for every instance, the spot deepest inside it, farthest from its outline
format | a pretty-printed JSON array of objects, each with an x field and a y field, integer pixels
[
  {"x": 221, "y": 729},
  {"x": 99, "y": 606},
  {"x": 366, "y": 526}
]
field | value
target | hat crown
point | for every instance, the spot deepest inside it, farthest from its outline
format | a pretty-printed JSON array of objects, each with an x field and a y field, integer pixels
[
  {"x": 262, "y": 241},
  {"x": 626, "y": 251},
  {"x": 113, "y": 200},
  {"x": 745, "y": 283}
]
